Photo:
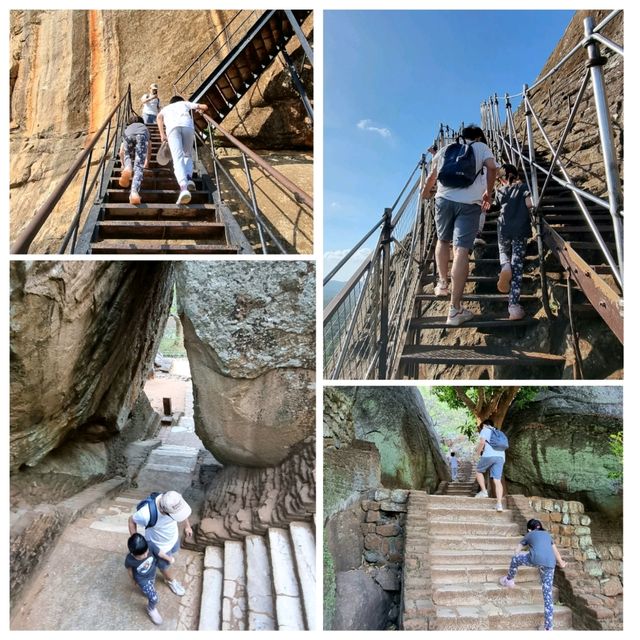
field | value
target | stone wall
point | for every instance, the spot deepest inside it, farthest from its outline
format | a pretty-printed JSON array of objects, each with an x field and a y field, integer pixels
[{"x": 590, "y": 584}]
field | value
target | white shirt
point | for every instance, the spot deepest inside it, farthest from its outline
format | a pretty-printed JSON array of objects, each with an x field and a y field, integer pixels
[
  {"x": 178, "y": 114},
  {"x": 473, "y": 193},
  {"x": 151, "y": 107},
  {"x": 489, "y": 451},
  {"x": 165, "y": 532}
]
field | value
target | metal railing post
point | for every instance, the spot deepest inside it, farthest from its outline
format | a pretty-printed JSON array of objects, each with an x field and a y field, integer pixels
[
  {"x": 298, "y": 31},
  {"x": 384, "y": 294},
  {"x": 254, "y": 202},
  {"x": 595, "y": 64},
  {"x": 530, "y": 143},
  {"x": 507, "y": 107}
]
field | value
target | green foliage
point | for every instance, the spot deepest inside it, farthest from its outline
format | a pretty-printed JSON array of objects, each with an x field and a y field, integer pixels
[
  {"x": 525, "y": 396},
  {"x": 615, "y": 444}
]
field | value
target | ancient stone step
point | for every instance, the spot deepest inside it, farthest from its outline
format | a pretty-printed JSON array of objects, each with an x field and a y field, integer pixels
[
  {"x": 481, "y": 572},
  {"x": 439, "y": 514},
  {"x": 211, "y": 597},
  {"x": 304, "y": 549},
  {"x": 481, "y": 593},
  {"x": 286, "y": 589},
  {"x": 461, "y": 502},
  {"x": 234, "y": 599},
  {"x": 260, "y": 602},
  {"x": 477, "y": 542},
  {"x": 509, "y": 617},
  {"x": 474, "y": 527},
  {"x": 471, "y": 557}
]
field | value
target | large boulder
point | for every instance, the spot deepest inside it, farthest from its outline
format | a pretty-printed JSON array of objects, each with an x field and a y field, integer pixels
[
  {"x": 559, "y": 447},
  {"x": 249, "y": 332},
  {"x": 83, "y": 336},
  {"x": 365, "y": 604}
]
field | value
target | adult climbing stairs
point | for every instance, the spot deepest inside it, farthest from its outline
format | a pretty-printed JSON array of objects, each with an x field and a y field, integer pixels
[
  {"x": 231, "y": 73},
  {"x": 456, "y": 550},
  {"x": 158, "y": 224},
  {"x": 261, "y": 583}
]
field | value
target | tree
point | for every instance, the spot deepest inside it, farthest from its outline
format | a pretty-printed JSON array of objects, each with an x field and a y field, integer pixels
[{"x": 485, "y": 402}]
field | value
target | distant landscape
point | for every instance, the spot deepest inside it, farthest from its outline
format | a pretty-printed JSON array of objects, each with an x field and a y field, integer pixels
[{"x": 330, "y": 291}]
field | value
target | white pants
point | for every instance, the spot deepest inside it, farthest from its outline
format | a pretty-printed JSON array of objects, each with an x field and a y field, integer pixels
[{"x": 181, "y": 144}]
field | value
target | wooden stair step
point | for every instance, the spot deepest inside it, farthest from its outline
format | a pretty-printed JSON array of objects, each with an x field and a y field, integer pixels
[
  {"x": 141, "y": 246},
  {"x": 161, "y": 230},
  {"x": 124, "y": 210},
  {"x": 477, "y": 297},
  {"x": 155, "y": 196},
  {"x": 479, "y": 355}
]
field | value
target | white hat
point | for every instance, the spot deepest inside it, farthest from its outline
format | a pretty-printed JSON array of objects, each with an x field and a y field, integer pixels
[
  {"x": 153, "y": 86},
  {"x": 163, "y": 156},
  {"x": 174, "y": 505}
]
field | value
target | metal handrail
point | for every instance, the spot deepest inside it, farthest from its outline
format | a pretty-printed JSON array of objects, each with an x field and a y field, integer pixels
[{"x": 30, "y": 231}]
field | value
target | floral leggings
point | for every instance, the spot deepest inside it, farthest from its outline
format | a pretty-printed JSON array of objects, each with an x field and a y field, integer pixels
[
  {"x": 546, "y": 580},
  {"x": 512, "y": 251},
  {"x": 149, "y": 590},
  {"x": 136, "y": 147}
]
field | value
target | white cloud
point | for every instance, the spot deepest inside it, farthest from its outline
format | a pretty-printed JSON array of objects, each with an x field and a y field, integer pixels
[
  {"x": 332, "y": 258},
  {"x": 367, "y": 125}
]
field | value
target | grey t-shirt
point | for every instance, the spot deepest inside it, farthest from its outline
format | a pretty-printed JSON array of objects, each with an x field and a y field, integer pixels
[
  {"x": 143, "y": 570},
  {"x": 136, "y": 129},
  {"x": 540, "y": 545}
]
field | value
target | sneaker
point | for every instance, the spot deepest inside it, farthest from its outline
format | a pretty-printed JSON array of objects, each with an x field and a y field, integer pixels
[
  {"x": 479, "y": 242},
  {"x": 134, "y": 198},
  {"x": 505, "y": 582},
  {"x": 516, "y": 312},
  {"x": 504, "y": 279},
  {"x": 442, "y": 289},
  {"x": 458, "y": 316},
  {"x": 155, "y": 616},
  {"x": 125, "y": 177},
  {"x": 482, "y": 494},
  {"x": 191, "y": 185},
  {"x": 499, "y": 506},
  {"x": 176, "y": 587},
  {"x": 184, "y": 197}
]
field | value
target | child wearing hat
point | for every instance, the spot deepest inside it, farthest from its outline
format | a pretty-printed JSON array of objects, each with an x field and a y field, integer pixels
[{"x": 150, "y": 104}]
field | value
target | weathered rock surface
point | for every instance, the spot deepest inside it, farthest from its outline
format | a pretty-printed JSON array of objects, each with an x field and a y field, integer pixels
[
  {"x": 396, "y": 421},
  {"x": 68, "y": 69},
  {"x": 249, "y": 331},
  {"x": 559, "y": 447},
  {"x": 83, "y": 337},
  {"x": 366, "y": 602}
]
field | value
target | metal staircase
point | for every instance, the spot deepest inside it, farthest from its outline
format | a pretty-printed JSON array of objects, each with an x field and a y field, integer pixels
[{"x": 387, "y": 323}]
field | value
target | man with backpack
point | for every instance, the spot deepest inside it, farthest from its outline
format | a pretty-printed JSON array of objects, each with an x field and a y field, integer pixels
[
  {"x": 160, "y": 514},
  {"x": 493, "y": 443},
  {"x": 461, "y": 196}
]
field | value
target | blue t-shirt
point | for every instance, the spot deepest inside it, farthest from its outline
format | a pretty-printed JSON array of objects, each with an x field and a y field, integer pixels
[
  {"x": 489, "y": 451},
  {"x": 540, "y": 546},
  {"x": 143, "y": 570}
]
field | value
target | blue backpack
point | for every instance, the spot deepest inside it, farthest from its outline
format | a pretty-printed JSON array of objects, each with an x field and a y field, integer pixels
[
  {"x": 150, "y": 501},
  {"x": 459, "y": 166},
  {"x": 498, "y": 440}
]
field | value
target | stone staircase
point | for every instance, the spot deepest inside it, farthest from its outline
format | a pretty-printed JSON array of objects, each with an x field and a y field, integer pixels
[
  {"x": 456, "y": 549},
  {"x": 261, "y": 583}
]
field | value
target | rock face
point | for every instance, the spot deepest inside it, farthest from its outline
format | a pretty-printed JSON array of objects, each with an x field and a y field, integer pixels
[
  {"x": 68, "y": 69},
  {"x": 373, "y": 437},
  {"x": 559, "y": 447},
  {"x": 83, "y": 337},
  {"x": 249, "y": 331}
]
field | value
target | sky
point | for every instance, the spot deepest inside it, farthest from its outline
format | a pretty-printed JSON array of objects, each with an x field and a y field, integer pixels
[{"x": 391, "y": 78}]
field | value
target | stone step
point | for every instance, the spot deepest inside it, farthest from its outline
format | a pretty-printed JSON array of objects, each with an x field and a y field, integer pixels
[
  {"x": 469, "y": 502},
  {"x": 234, "y": 595},
  {"x": 476, "y": 527},
  {"x": 512, "y": 617},
  {"x": 211, "y": 596},
  {"x": 482, "y": 593},
  {"x": 470, "y": 515},
  {"x": 286, "y": 588},
  {"x": 480, "y": 572},
  {"x": 477, "y": 542},
  {"x": 304, "y": 549},
  {"x": 260, "y": 601},
  {"x": 453, "y": 558}
]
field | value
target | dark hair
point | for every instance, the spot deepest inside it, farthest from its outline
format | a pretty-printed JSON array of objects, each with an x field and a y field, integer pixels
[
  {"x": 474, "y": 132},
  {"x": 510, "y": 172},
  {"x": 137, "y": 544},
  {"x": 488, "y": 421},
  {"x": 176, "y": 99},
  {"x": 135, "y": 118},
  {"x": 534, "y": 525}
]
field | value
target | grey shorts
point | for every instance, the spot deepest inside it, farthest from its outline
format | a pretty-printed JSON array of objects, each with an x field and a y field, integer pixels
[
  {"x": 493, "y": 463},
  {"x": 457, "y": 222},
  {"x": 163, "y": 564}
]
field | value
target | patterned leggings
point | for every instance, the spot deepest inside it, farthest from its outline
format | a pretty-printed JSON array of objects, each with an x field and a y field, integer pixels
[
  {"x": 149, "y": 590},
  {"x": 546, "y": 580},
  {"x": 136, "y": 147},
  {"x": 512, "y": 251}
]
